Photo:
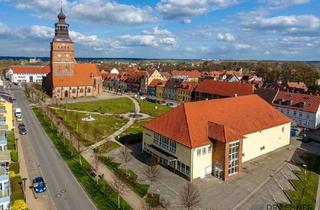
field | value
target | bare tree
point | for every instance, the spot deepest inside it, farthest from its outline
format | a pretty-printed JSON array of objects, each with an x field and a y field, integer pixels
[
  {"x": 190, "y": 196},
  {"x": 151, "y": 171},
  {"x": 85, "y": 127},
  {"x": 96, "y": 134},
  {"x": 120, "y": 188},
  {"x": 126, "y": 157},
  {"x": 96, "y": 164},
  {"x": 77, "y": 118}
]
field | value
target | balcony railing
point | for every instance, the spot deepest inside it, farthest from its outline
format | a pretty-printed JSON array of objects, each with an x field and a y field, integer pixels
[{"x": 5, "y": 193}]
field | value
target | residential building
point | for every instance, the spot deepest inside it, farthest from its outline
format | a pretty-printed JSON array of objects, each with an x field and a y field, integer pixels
[
  {"x": 4, "y": 189},
  {"x": 267, "y": 94},
  {"x": 27, "y": 74},
  {"x": 210, "y": 89},
  {"x": 114, "y": 71},
  {"x": 152, "y": 87},
  {"x": 152, "y": 75},
  {"x": 297, "y": 87},
  {"x": 215, "y": 137},
  {"x": 165, "y": 75},
  {"x": 191, "y": 76},
  {"x": 160, "y": 89},
  {"x": 186, "y": 92},
  {"x": 303, "y": 109},
  {"x": 6, "y": 118},
  {"x": 170, "y": 89},
  {"x": 67, "y": 78},
  {"x": 136, "y": 82}
]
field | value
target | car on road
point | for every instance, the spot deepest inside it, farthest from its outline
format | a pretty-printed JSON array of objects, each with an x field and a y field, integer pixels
[
  {"x": 23, "y": 131},
  {"x": 171, "y": 104},
  {"x": 21, "y": 125},
  {"x": 39, "y": 185}
]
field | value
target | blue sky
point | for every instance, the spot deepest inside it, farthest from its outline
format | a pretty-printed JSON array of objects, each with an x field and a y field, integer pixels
[{"x": 205, "y": 29}]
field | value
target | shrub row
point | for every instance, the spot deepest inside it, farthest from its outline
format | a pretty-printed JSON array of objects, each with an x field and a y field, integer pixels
[{"x": 130, "y": 177}]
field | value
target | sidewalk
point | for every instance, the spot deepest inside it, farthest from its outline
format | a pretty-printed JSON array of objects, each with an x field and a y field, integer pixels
[{"x": 131, "y": 197}]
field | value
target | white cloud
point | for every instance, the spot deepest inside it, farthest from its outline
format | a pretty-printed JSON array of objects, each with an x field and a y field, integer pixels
[
  {"x": 228, "y": 37},
  {"x": 184, "y": 10},
  {"x": 41, "y": 31},
  {"x": 281, "y": 3},
  {"x": 286, "y": 24},
  {"x": 243, "y": 46},
  {"x": 96, "y": 11}
]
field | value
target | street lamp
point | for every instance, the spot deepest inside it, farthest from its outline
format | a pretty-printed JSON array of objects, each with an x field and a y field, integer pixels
[{"x": 305, "y": 171}]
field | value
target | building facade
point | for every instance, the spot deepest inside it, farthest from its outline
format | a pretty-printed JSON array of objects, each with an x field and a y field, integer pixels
[
  {"x": 67, "y": 78},
  {"x": 186, "y": 92},
  {"x": 303, "y": 109},
  {"x": 215, "y": 137},
  {"x": 27, "y": 74}
]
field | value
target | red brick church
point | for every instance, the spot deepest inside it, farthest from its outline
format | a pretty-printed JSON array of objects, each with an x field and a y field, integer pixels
[{"x": 67, "y": 78}]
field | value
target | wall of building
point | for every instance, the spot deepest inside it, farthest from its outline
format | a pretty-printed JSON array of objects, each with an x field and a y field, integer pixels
[
  {"x": 17, "y": 78},
  {"x": 8, "y": 115},
  {"x": 202, "y": 164},
  {"x": 271, "y": 139},
  {"x": 154, "y": 75},
  {"x": 302, "y": 119}
]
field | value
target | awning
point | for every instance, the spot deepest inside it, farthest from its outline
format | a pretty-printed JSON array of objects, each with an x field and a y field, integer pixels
[{"x": 160, "y": 153}]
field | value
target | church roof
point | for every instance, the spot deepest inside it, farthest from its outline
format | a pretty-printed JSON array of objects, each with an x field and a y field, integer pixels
[{"x": 83, "y": 74}]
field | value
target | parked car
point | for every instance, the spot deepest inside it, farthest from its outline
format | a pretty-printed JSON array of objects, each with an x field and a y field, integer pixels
[
  {"x": 306, "y": 140},
  {"x": 23, "y": 131},
  {"x": 39, "y": 185},
  {"x": 21, "y": 125},
  {"x": 171, "y": 104}
]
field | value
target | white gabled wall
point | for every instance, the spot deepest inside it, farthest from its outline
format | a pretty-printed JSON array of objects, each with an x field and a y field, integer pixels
[
  {"x": 202, "y": 164},
  {"x": 271, "y": 139}
]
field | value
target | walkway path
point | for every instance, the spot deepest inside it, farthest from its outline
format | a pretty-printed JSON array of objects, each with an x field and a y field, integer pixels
[{"x": 134, "y": 200}]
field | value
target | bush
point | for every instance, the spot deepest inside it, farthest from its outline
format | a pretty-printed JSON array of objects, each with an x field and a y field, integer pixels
[
  {"x": 14, "y": 155},
  {"x": 16, "y": 191},
  {"x": 15, "y": 167},
  {"x": 153, "y": 200},
  {"x": 19, "y": 205}
]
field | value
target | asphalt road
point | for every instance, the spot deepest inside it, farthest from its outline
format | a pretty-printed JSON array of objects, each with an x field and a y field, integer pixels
[{"x": 63, "y": 189}]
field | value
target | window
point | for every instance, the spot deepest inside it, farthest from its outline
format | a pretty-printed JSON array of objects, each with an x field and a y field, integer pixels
[
  {"x": 81, "y": 90},
  {"x": 198, "y": 152},
  {"x": 262, "y": 148},
  {"x": 288, "y": 112},
  {"x": 183, "y": 168},
  {"x": 233, "y": 158},
  {"x": 294, "y": 113},
  {"x": 164, "y": 143},
  {"x": 88, "y": 90},
  {"x": 204, "y": 150},
  {"x": 209, "y": 149},
  {"x": 308, "y": 116},
  {"x": 282, "y": 129},
  {"x": 73, "y": 90},
  {"x": 300, "y": 114}
]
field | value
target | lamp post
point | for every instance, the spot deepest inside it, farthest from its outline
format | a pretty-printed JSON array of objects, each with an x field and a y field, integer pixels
[{"x": 305, "y": 171}]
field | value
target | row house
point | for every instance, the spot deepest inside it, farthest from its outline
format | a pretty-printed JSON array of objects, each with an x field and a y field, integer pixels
[
  {"x": 152, "y": 87},
  {"x": 293, "y": 87},
  {"x": 303, "y": 109},
  {"x": 27, "y": 74},
  {"x": 186, "y": 92},
  {"x": 215, "y": 137},
  {"x": 210, "y": 89},
  {"x": 170, "y": 89},
  {"x": 136, "y": 82},
  {"x": 160, "y": 89}
]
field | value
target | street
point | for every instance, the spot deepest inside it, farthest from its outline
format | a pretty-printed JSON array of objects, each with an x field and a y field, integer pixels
[{"x": 43, "y": 159}]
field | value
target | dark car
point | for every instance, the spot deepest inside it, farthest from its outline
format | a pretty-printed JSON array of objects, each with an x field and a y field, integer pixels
[
  {"x": 23, "y": 131},
  {"x": 39, "y": 185},
  {"x": 306, "y": 140},
  {"x": 21, "y": 125}
]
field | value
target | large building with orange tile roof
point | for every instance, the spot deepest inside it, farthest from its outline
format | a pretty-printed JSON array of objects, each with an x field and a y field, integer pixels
[
  {"x": 215, "y": 137},
  {"x": 67, "y": 78},
  {"x": 27, "y": 74}
]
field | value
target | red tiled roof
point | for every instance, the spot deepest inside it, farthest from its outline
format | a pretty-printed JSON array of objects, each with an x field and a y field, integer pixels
[
  {"x": 225, "y": 88},
  {"x": 297, "y": 85},
  {"x": 188, "y": 86},
  {"x": 303, "y": 102},
  {"x": 166, "y": 75},
  {"x": 189, "y": 74},
  {"x": 187, "y": 124},
  {"x": 222, "y": 133},
  {"x": 83, "y": 74},
  {"x": 155, "y": 82},
  {"x": 31, "y": 69}
]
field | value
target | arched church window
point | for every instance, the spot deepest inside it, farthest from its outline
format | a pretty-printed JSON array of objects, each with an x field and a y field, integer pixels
[{"x": 74, "y": 90}]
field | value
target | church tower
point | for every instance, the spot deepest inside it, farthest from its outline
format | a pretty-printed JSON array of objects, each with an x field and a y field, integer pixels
[{"x": 62, "y": 49}]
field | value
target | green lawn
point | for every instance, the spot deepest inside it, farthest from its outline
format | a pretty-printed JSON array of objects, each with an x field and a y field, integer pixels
[
  {"x": 134, "y": 132},
  {"x": 112, "y": 106},
  {"x": 150, "y": 108},
  {"x": 90, "y": 132},
  {"x": 304, "y": 196},
  {"x": 100, "y": 193},
  {"x": 107, "y": 147},
  {"x": 12, "y": 146}
]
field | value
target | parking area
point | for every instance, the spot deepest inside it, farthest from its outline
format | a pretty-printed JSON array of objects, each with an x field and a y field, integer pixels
[{"x": 260, "y": 184}]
